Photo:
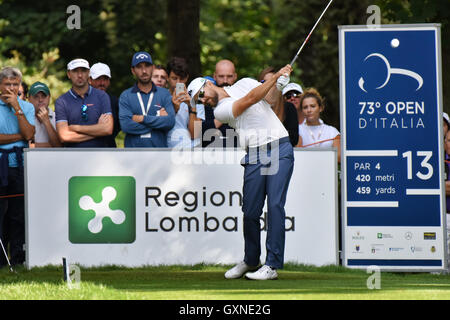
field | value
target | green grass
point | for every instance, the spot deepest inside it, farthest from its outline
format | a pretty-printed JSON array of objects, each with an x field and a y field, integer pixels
[{"x": 206, "y": 282}]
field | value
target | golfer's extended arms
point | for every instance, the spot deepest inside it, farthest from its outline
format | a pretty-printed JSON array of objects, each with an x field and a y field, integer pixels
[{"x": 258, "y": 93}]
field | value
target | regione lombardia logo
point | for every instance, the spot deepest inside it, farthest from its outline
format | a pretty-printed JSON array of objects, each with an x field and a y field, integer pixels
[{"x": 102, "y": 209}]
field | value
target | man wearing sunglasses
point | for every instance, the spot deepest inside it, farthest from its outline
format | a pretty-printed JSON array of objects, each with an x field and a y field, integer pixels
[
  {"x": 83, "y": 114},
  {"x": 291, "y": 93},
  {"x": 261, "y": 133}
]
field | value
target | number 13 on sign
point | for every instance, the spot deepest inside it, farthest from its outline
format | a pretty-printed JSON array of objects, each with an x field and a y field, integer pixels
[{"x": 424, "y": 164}]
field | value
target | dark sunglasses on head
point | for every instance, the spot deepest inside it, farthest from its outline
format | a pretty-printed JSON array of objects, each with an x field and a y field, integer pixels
[
  {"x": 291, "y": 95},
  {"x": 84, "y": 115}
]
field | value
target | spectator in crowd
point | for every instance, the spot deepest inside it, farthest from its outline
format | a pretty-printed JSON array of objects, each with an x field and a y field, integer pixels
[
  {"x": 291, "y": 93},
  {"x": 16, "y": 129},
  {"x": 183, "y": 133},
  {"x": 225, "y": 73},
  {"x": 45, "y": 135},
  {"x": 447, "y": 171},
  {"x": 100, "y": 78},
  {"x": 83, "y": 114},
  {"x": 446, "y": 123},
  {"x": 160, "y": 76},
  {"x": 284, "y": 110},
  {"x": 313, "y": 132},
  {"x": 215, "y": 133},
  {"x": 447, "y": 181},
  {"x": 23, "y": 91},
  {"x": 146, "y": 111},
  {"x": 263, "y": 135}
]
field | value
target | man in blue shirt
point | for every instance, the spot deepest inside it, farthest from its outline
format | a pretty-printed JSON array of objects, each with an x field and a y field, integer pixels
[
  {"x": 16, "y": 129},
  {"x": 146, "y": 111},
  {"x": 83, "y": 114}
]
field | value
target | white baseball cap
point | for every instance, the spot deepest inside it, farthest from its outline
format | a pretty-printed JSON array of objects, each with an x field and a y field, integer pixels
[
  {"x": 446, "y": 118},
  {"x": 100, "y": 69},
  {"x": 195, "y": 87},
  {"x": 78, "y": 63},
  {"x": 292, "y": 87}
]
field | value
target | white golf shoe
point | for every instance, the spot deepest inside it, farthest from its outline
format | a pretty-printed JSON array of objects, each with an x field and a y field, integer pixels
[
  {"x": 238, "y": 270},
  {"x": 263, "y": 273}
]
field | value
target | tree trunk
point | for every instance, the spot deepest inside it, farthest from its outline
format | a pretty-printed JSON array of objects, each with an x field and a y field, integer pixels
[{"x": 183, "y": 33}]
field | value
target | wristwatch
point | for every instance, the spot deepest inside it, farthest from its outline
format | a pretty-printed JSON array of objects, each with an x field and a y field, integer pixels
[
  {"x": 19, "y": 112},
  {"x": 191, "y": 111}
]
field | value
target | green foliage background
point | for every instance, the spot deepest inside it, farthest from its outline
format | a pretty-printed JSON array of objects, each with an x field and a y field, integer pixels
[{"x": 253, "y": 34}]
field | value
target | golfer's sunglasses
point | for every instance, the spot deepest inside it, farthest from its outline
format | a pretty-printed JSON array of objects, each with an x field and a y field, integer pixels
[
  {"x": 201, "y": 95},
  {"x": 84, "y": 115}
]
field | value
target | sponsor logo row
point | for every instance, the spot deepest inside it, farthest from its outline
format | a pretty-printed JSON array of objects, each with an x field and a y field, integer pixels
[
  {"x": 408, "y": 235},
  {"x": 381, "y": 248}
]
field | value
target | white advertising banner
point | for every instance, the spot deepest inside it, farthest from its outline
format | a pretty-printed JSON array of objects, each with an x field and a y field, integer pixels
[{"x": 135, "y": 207}]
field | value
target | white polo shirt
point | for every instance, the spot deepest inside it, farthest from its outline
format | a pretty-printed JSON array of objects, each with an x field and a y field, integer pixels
[
  {"x": 317, "y": 136},
  {"x": 41, "y": 135},
  {"x": 256, "y": 126}
]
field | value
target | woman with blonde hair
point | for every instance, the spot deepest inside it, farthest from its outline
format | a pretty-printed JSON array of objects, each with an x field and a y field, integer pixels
[{"x": 313, "y": 133}]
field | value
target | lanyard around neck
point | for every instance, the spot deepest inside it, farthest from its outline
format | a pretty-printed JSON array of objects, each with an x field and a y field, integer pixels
[{"x": 149, "y": 102}]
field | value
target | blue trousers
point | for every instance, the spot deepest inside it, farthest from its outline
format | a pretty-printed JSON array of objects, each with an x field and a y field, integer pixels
[
  {"x": 12, "y": 211},
  {"x": 267, "y": 173}
]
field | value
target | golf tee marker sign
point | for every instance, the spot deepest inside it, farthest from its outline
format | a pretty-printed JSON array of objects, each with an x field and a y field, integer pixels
[{"x": 393, "y": 191}]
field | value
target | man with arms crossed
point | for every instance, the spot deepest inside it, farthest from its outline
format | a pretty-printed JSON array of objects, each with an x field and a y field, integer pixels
[
  {"x": 146, "y": 111},
  {"x": 243, "y": 107},
  {"x": 83, "y": 114},
  {"x": 100, "y": 78}
]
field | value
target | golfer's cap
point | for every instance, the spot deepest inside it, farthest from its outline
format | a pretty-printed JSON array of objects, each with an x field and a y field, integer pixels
[
  {"x": 141, "y": 56},
  {"x": 446, "y": 118},
  {"x": 39, "y": 87},
  {"x": 194, "y": 87},
  {"x": 292, "y": 87},
  {"x": 100, "y": 69},
  {"x": 78, "y": 63}
]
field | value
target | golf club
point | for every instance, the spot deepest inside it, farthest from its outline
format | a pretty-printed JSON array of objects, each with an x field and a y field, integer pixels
[
  {"x": 6, "y": 256},
  {"x": 307, "y": 38}
]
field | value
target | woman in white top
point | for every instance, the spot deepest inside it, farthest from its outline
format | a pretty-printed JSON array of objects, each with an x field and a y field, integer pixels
[{"x": 313, "y": 133}]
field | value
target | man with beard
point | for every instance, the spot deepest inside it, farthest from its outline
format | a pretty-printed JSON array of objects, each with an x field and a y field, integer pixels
[
  {"x": 214, "y": 132},
  {"x": 100, "y": 78},
  {"x": 146, "y": 111},
  {"x": 261, "y": 133},
  {"x": 225, "y": 74},
  {"x": 83, "y": 114}
]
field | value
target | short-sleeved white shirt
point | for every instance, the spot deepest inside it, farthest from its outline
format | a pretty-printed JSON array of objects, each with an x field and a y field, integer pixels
[
  {"x": 256, "y": 126},
  {"x": 41, "y": 135},
  {"x": 312, "y": 135}
]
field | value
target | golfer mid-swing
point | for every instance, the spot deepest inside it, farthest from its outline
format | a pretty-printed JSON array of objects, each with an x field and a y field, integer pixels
[{"x": 268, "y": 164}]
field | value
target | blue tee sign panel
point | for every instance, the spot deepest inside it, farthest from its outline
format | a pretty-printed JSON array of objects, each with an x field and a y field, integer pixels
[{"x": 392, "y": 150}]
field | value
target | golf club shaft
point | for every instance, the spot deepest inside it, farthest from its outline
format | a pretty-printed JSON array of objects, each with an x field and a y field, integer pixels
[
  {"x": 312, "y": 30},
  {"x": 6, "y": 255}
]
